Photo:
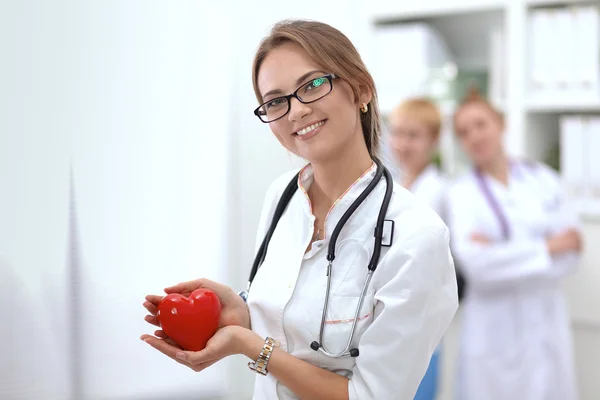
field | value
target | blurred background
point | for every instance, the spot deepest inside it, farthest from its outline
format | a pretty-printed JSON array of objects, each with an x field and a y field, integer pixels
[{"x": 130, "y": 160}]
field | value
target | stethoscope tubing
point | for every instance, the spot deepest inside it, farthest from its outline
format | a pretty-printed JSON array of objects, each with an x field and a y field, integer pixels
[{"x": 378, "y": 235}]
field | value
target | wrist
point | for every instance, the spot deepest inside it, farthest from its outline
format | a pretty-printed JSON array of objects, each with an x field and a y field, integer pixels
[
  {"x": 250, "y": 343},
  {"x": 550, "y": 246},
  {"x": 554, "y": 245}
]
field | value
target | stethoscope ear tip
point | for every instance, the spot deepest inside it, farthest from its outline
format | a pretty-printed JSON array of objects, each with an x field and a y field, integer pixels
[
  {"x": 354, "y": 352},
  {"x": 315, "y": 345}
]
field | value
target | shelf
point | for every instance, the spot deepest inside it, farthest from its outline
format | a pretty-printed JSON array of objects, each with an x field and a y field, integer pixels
[
  {"x": 466, "y": 33},
  {"x": 386, "y": 10},
  {"x": 555, "y": 3},
  {"x": 589, "y": 217},
  {"x": 557, "y": 107}
]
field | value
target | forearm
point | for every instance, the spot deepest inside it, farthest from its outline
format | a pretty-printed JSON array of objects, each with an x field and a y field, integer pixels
[
  {"x": 564, "y": 264},
  {"x": 503, "y": 263},
  {"x": 307, "y": 381}
]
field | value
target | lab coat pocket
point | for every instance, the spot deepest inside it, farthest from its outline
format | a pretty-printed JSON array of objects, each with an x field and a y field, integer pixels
[
  {"x": 340, "y": 317},
  {"x": 350, "y": 266}
]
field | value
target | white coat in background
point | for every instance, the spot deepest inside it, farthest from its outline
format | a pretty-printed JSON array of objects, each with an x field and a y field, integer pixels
[
  {"x": 516, "y": 338},
  {"x": 430, "y": 186},
  {"x": 408, "y": 307}
]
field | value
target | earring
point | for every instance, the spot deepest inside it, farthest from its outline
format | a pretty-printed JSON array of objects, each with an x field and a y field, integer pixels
[{"x": 364, "y": 108}]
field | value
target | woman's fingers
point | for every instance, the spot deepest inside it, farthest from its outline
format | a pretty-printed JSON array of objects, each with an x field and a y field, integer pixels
[
  {"x": 151, "y": 319},
  {"x": 184, "y": 287},
  {"x": 480, "y": 238},
  {"x": 172, "y": 350},
  {"x": 167, "y": 339},
  {"x": 187, "y": 287},
  {"x": 167, "y": 347},
  {"x": 161, "y": 334},
  {"x": 152, "y": 309},
  {"x": 154, "y": 299}
]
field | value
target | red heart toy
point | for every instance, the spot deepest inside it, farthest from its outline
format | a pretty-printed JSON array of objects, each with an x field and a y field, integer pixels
[{"x": 190, "y": 321}]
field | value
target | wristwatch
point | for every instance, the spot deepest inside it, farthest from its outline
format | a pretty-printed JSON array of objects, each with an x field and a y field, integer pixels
[{"x": 260, "y": 365}]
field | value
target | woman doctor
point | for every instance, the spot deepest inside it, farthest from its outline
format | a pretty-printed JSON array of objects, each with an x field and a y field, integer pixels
[
  {"x": 320, "y": 103},
  {"x": 515, "y": 239},
  {"x": 414, "y": 128}
]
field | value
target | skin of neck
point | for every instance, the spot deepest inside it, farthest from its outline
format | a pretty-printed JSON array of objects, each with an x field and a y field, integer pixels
[
  {"x": 335, "y": 175},
  {"x": 497, "y": 167},
  {"x": 412, "y": 172}
]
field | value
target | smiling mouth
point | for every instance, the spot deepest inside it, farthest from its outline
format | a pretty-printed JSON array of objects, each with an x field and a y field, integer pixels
[{"x": 310, "y": 128}]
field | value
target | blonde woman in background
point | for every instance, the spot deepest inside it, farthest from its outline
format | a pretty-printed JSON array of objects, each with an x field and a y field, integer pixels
[
  {"x": 515, "y": 239},
  {"x": 414, "y": 128},
  {"x": 414, "y": 135}
]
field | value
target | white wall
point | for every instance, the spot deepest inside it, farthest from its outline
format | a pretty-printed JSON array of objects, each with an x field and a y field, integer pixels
[
  {"x": 136, "y": 94},
  {"x": 33, "y": 204},
  {"x": 150, "y": 165}
]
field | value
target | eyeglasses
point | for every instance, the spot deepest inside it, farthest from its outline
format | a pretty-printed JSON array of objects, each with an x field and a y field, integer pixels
[{"x": 311, "y": 91}]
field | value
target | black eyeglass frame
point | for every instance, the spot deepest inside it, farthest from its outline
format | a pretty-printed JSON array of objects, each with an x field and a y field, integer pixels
[{"x": 288, "y": 98}]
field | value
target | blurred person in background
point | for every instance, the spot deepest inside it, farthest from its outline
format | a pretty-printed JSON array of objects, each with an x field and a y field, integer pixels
[
  {"x": 414, "y": 128},
  {"x": 320, "y": 102},
  {"x": 515, "y": 238}
]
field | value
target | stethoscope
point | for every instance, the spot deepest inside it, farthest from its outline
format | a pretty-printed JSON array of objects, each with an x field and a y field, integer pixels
[
  {"x": 379, "y": 233},
  {"x": 493, "y": 203}
]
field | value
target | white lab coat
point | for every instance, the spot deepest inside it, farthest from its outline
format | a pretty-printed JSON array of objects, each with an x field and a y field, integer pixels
[
  {"x": 410, "y": 302},
  {"x": 430, "y": 186},
  {"x": 516, "y": 340}
]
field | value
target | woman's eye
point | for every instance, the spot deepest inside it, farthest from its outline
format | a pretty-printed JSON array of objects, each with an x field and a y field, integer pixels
[
  {"x": 315, "y": 83},
  {"x": 276, "y": 102}
]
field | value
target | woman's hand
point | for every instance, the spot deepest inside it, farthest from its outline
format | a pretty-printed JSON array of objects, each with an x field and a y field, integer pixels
[
  {"x": 233, "y": 309},
  {"x": 228, "y": 340},
  {"x": 480, "y": 238},
  {"x": 569, "y": 240}
]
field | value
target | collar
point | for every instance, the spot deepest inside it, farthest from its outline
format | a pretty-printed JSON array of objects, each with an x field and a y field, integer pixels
[
  {"x": 429, "y": 170},
  {"x": 306, "y": 178},
  {"x": 517, "y": 169}
]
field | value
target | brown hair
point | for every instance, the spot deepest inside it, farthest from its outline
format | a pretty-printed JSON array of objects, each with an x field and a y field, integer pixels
[
  {"x": 334, "y": 51},
  {"x": 422, "y": 110},
  {"x": 473, "y": 97}
]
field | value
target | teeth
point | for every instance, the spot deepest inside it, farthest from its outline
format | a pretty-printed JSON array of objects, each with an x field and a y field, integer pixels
[{"x": 310, "y": 128}]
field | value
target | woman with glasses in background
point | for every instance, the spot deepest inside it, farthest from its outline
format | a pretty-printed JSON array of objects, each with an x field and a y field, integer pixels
[
  {"x": 320, "y": 103},
  {"x": 414, "y": 131},
  {"x": 515, "y": 239}
]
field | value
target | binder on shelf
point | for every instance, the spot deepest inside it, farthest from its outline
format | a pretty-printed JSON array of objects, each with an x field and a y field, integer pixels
[
  {"x": 564, "y": 57},
  {"x": 573, "y": 159},
  {"x": 587, "y": 70},
  {"x": 497, "y": 68},
  {"x": 563, "y": 62},
  {"x": 397, "y": 79},
  {"x": 540, "y": 37},
  {"x": 592, "y": 131}
]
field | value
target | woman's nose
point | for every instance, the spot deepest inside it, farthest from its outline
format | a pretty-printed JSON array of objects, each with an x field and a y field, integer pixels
[{"x": 298, "y": 110}]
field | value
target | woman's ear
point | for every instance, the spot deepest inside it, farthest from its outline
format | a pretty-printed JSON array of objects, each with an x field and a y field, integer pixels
[{"x": 365, "y": 95}]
